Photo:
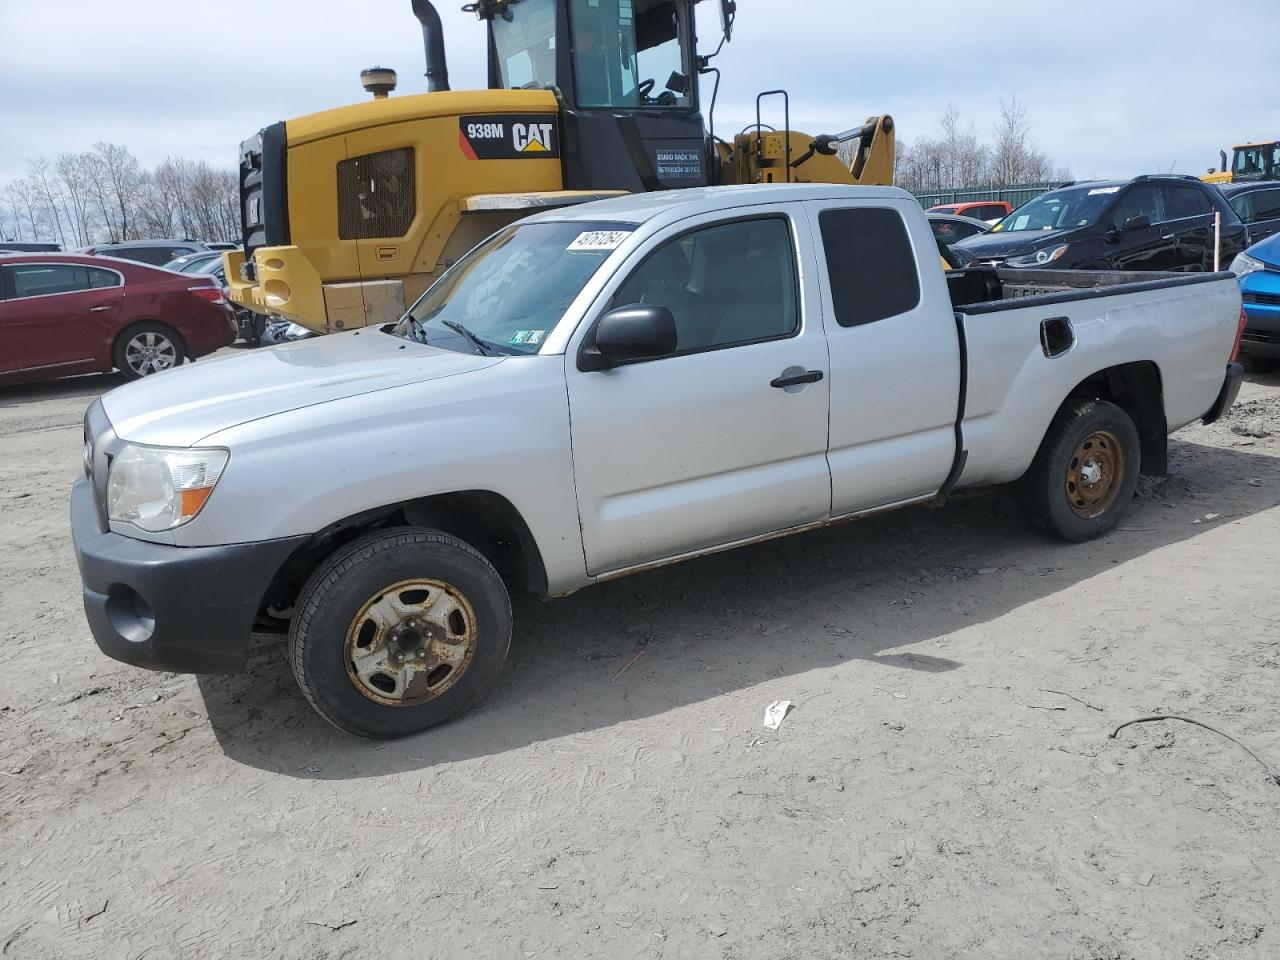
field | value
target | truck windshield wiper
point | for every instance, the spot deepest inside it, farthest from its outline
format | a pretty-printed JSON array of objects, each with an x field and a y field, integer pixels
[
  {"x": 416, "y": 330},
  {"x": 459, "y": 328}
]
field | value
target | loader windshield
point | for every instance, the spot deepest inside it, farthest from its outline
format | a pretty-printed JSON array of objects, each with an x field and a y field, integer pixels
[
  {"x": 631, "y": 53},
  {"x": 524, "y": 40},
  {"x": 508, "y": 294}
]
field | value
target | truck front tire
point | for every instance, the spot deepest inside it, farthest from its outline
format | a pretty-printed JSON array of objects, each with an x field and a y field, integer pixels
[
  {"x": 400, "y": 631},
  {"x": 1085, "y": 472}
]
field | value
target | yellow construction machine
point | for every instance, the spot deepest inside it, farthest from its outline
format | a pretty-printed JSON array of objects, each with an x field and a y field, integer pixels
[
  {"x": 351, "y": 213},
  {"x": 1249, "y": 161}
]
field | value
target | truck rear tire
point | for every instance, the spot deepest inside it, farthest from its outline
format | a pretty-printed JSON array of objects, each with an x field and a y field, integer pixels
[
  {"x": 400, "y": 631},
  {"x": 1085, "y": 472}
]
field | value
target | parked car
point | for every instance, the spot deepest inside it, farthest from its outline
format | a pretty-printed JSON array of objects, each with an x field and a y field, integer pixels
[
  {"x": 251, "y": 326},
  {"x": 1259, "y": 271},
  {"x": 950, "y": 229},
  {"x": 155, "y": 252},
  {"x": 1147, "y": 223},
  {"x": 1257, "y": 204},
  {"x": 63, "y": 314},
  {"x": 765, "y": 332},
  {"x": 194, "y": 262},
  {"x": 988, "y": 211}
]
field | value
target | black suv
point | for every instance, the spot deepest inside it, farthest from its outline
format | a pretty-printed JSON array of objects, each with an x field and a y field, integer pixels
[
  {"x": 1147, "y": 223},
  {"x": 155, "y": 252}
]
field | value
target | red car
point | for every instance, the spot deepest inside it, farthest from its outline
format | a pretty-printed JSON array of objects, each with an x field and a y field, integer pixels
[
  {"x": 987, "y": 210},
  {"x": 63, "y": 314}
]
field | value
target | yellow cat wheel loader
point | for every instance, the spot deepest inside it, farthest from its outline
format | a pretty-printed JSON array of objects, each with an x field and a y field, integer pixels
[
  {"x": 1249, "y": 161},
  {"x": 351, "y": 213}
]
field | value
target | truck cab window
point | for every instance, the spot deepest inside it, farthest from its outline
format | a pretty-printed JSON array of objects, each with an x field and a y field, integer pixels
[
  {"x": 725, "y": 285},
  {"x": 626, "y": 53},
  {"x": 870, "y": 263},
  {"x": 524, "y": 39}
]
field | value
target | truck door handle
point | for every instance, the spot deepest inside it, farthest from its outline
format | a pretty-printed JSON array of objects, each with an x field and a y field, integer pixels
[
  {"x": 1170, "y": 236},
  {"x": 809, "y": 376},
  {"x": 105, "y": 306}
]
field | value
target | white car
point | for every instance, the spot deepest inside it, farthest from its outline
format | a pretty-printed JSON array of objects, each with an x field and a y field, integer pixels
[{"x": 601, "y": 389}]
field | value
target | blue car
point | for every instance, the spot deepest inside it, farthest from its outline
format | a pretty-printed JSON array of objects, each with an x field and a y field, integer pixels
[{"x": 1259, "y": 271}]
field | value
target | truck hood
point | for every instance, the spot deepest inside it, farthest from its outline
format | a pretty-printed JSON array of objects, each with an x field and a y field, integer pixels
[
  {"x": 182, "y": 406},
  {"x": 985, "y": 246}
]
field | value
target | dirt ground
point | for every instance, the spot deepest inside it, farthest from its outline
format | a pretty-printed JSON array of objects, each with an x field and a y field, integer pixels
[{"x": 944, "y": 787}]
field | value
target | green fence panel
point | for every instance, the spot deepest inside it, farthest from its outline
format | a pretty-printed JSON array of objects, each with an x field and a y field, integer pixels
[{"x": 1017, "y": 194}]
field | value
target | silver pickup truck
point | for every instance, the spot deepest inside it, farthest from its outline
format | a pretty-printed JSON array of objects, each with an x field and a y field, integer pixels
[{"x": 600, "y": 390}]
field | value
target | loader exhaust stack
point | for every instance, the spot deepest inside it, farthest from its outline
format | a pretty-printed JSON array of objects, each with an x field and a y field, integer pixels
[{"x": 433, "y": 42}]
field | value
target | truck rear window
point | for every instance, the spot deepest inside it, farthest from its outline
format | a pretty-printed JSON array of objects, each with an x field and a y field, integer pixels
[{"x": 871, "y": 264}]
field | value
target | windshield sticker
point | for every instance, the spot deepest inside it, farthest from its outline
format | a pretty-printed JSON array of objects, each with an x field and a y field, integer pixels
[
  {"x": 1097, "y": 190},
  {"x": 599, "y": 240},
  {"x": 535, "y": 336},
  {"x": 519, "y": 336}
]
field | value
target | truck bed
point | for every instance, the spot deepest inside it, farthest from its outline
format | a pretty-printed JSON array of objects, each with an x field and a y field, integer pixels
[
  {"x": 1031, "y": 337},
  {"x": 984, "y": 289}
]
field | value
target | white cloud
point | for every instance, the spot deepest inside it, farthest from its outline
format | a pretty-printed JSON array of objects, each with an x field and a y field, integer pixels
[{"x": 1112, "y": 89}]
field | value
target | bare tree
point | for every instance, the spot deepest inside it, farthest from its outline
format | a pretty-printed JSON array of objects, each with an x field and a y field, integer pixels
[{"x": 1015, "y": 158}]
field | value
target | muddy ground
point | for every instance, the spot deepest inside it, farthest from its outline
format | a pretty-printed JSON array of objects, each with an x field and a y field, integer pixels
[{"x": 944, "y": 787}]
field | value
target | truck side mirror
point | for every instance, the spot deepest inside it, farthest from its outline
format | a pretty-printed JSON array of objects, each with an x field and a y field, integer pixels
[
  {"x": 1139, "y": 222},
  {"x": 639, "y": 331}
]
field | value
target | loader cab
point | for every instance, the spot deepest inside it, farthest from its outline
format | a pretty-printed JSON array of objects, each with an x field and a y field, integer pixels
[
  {"x": 626, "y": 75},
  {"x": 1256, "y": 161}
]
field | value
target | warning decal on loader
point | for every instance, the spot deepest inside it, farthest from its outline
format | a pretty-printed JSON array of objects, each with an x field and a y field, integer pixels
[{"x": 509, "y": 136}]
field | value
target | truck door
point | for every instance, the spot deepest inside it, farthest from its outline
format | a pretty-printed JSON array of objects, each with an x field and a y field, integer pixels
[
  {"x": 895, "y": 355},
  {"x": 724, "y": 439}
]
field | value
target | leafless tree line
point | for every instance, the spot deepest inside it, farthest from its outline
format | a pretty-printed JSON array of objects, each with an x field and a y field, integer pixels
[
  {"x": 103, "y": 195},
  {"x": 958, "y": 158}
]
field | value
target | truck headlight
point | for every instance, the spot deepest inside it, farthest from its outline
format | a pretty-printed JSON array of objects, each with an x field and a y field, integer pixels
[
  {"x": 159, "y": 488},
  {"x": 1040, "y": 258},
  {"x": 1243, "y": 265}
]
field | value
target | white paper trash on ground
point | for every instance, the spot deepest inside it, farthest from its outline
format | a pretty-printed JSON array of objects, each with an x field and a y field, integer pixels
[{"x": 774, "y": 713}]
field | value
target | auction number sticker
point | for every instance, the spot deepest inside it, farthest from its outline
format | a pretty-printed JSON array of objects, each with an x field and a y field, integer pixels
[
  {"x": 600, "y": 240},
  {"x": 1097, "y": 190}
]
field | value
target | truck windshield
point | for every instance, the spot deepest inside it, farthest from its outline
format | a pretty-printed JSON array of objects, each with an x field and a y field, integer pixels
[
  {"x": 524, "y": 40},
  {"x": 1060, "y": 210},
  {"x": 508, "y": 294}
]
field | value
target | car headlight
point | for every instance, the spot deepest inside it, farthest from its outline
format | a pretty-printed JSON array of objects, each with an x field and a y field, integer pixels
[
  {"x": 1243, "y": 265},
  {"x": 1039, "y": 258},
  {"x": 159, "y": 488}
]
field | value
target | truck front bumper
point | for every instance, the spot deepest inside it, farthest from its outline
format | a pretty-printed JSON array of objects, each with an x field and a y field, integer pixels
[
  {"x": 182, "y": 609},
  {"x": 1227, "y": 395}
]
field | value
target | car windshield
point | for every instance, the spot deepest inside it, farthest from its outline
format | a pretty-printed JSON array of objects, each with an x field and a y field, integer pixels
[
  {"x": 1060, "y": 210},
  {"x": 508, "y": 294}
]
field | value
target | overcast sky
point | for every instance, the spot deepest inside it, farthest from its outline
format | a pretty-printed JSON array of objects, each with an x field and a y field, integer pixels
[{"x": 1112, "y": 88}]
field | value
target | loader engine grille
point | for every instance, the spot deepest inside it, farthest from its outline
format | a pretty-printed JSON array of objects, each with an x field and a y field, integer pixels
[{"x": 377, "y": 195}]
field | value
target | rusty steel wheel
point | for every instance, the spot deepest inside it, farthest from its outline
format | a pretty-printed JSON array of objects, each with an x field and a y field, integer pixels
[
  {"x": 411, "y": 642},
  {"x": 399, "y": 631},
  {"x": 1095, "y": 474},
  {"x": 1085, "y": 473}
]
